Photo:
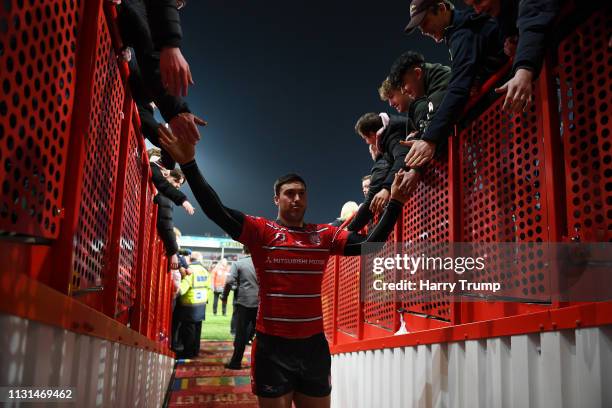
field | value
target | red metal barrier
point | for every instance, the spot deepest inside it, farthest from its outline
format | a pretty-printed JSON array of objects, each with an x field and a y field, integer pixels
[
  {"x": 585, "y": 90},
  {"x": 94, "y": 235},
  {"x": 504, "y": 178},
  {"x": 38, "y": 56}
]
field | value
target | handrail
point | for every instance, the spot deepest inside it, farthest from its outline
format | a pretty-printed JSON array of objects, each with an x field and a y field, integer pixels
[{"x": 487, "y": 86}]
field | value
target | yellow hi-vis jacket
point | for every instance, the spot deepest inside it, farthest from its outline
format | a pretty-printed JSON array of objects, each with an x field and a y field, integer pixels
[{"x": 193, "y": 291}]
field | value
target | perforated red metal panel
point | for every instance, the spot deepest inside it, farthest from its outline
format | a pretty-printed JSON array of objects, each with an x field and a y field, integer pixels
[
  {"x": 100, "y": 173},
  {"x": 502, "y": 178},
  {"x": 348, "y": 294},
  {"x": 585, "y": 73},
  {"x": 503, "y": 192},
  {"x": 153, "y": 287},
  {"x": 149, "y": 223},
  {"x": 426, "y": 219},
  {"x": 327, "y": 297},
  {"x": 37, "y": 75},
  {"x": 379, "y": 306},
  {"x": 129, "y": 242}
]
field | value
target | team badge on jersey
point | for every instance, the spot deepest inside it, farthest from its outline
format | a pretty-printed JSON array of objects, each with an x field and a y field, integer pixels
[
  {"x": 280, "y": 237},
  {"x": 315, "y": 239}
]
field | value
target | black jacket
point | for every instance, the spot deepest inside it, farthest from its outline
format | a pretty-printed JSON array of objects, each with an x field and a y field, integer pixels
[
  {"x": 435, "y": 84},
  {"x": 165, "y": 224},
  {"x": 148, "y": 127},
  {"x": 164, "y": 187},
  {"x": 378, "y": 175},
  {"x": 145, "y": 79},
  {"x": 391, "y": 149},
  {"x": 167, "y": 194},
  {"x": 477, "y": 51},
  {"x": 165, "y": 23},
  {"x": 531, "y": 21}
]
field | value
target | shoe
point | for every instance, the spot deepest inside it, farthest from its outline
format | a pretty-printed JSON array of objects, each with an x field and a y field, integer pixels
[{"x": 230, "y": 366}]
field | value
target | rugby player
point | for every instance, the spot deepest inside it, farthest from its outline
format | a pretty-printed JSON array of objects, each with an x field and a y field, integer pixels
[{"x": 290, "y": 356}]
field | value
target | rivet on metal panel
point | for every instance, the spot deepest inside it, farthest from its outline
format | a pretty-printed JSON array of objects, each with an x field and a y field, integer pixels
[
  {"x": 541, "y": 326},
  {"x": 578, "y": 323}
]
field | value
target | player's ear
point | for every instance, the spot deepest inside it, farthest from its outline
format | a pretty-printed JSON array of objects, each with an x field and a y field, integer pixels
[{"x": 275, "y": 198}]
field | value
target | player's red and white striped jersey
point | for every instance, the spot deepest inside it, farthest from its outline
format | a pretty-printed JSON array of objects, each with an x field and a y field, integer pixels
[{"x": 290, "y": 264}]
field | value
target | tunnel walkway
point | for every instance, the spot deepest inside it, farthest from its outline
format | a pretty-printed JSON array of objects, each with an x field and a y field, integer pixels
[{"x": 203, "y": 382}]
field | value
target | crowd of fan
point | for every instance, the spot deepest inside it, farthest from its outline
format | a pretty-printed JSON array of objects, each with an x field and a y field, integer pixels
[{"x": 430, "y": 98}]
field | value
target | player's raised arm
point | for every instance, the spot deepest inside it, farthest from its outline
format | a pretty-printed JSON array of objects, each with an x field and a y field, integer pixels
[
  {"x": 400, "y": 193},
  {"x": 231, "y": 221}
]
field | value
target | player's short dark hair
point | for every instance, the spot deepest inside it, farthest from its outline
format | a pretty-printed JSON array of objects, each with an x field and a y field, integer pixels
[
  {"x": 287, "y": 178},
  {"x": 368, "y": 123},
  {"x": 402, "y": 64}
]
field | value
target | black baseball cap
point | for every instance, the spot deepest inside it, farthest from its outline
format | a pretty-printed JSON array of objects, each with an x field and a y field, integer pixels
[{"x": 418, "y": 10}]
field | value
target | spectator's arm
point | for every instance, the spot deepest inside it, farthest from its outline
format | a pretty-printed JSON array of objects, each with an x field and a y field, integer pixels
[
  {"x": 380, "y": 233},
  {"x": 231, "y": 279},
  {"x": 465, "y": 48},
  {"x": 165, "y": 23},
  {"x": 146, "y": 86},
  {"x": 165, "y": 225},
  {"x": 399, "y": 153},
  {"x": 535, "y": 18}
]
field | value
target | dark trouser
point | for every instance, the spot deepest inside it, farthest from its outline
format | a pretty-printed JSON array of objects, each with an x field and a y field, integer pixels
[
  {"x": 223, "y": 304},
  {"x": 245, "y": 320},
  {"x": 190, "y": 333},
  {"x": 177, "y": 343},
  {"x": 234, "y": 315}
]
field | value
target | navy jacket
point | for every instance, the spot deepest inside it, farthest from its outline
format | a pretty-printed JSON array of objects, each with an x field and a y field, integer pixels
[
  {"x": 531, "y": 21},
  {"x": 477, "y": 51}
]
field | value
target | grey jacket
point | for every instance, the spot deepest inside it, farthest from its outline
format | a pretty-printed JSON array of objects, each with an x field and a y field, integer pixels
[{"x": 243, "y": 274}]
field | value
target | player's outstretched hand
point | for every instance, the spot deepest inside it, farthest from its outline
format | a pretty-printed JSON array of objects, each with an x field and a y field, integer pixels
[
  {"x": 175, "y": 72},
  {"x": 518, "y": 90},
  {"x": 185, "y": 126},
  {"x": 180, "y": 150}
]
